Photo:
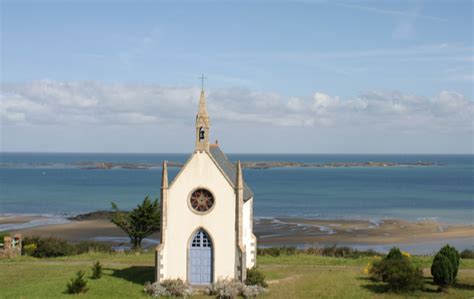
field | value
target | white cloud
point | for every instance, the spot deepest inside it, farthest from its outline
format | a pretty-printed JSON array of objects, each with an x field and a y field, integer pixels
[{"x": 79, "y": 103}]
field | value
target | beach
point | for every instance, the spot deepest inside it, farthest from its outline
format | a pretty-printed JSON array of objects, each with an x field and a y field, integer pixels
[{"x": 299, "y": 232}]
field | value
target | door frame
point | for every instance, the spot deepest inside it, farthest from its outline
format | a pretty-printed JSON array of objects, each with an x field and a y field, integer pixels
[{"x": 188, "y": 248}]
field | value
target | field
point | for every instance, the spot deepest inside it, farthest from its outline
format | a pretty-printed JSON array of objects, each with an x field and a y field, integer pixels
[{"x": 297, "y": 276}]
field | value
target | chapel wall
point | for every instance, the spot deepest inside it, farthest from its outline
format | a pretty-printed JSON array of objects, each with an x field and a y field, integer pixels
[{"x": 182, "y": 222}]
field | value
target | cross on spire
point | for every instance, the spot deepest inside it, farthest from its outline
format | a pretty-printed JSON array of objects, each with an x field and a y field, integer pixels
[{"x": 202, "y": 81}]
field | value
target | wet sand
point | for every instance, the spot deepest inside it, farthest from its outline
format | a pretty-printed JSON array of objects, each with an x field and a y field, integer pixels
[
  {"x": 356, "y": 232},
  {"x": 278, "y": 231}
]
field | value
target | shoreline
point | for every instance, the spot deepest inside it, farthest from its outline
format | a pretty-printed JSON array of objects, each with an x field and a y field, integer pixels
[
  {"x": 86, "y": 165},
  {"x": 420, "y": 236}
]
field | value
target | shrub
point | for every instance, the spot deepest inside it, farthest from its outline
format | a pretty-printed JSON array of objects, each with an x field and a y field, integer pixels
[
  {"x": 48, "y": 247},
  {"x": 398, "y": 272},
  {"x": 77, "y": 284},
  {"x": 169, "y": 287},
  {"x": 394, "y": 254},
  {"x": 453, "y": 256},
  {"x": 29, "y": 249},
  {"x": 333, "y": 251},
  {"x": 255, "y": 277},
  {"x": 156, "y": 290},
  {"x": 52, "y": 247},
  {"x": 442, "y": 272},
  {"x": 96, "y": 270},
  {"x": 467, "y": 254},
  {"x": 231, "y": 288},
  {"x": 91, "y": 246},
  {"x": 226, "y": 288}
]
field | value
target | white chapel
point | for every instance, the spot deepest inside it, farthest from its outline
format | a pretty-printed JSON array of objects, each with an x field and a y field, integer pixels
[{"x": 207, "y": 211}]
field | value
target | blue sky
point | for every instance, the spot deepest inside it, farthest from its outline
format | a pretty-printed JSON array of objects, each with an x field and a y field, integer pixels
[{"x": 317, "y": 68}]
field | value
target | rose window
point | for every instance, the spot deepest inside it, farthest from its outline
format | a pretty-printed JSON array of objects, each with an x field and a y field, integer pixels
[{"x": 202, "y": 200}]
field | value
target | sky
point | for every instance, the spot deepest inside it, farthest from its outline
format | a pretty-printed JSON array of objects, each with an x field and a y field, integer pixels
[{"x": 281, "y": 76}]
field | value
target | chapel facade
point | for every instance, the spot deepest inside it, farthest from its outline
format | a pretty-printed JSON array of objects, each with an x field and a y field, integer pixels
[{"x": 206, "y": 216}]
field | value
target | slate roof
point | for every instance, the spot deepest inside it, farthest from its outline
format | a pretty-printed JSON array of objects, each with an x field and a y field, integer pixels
[{"x": 229, "y": 168}]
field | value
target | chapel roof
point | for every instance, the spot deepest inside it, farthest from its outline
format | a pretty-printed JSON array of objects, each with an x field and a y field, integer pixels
[{"x": 228, "y": 168}]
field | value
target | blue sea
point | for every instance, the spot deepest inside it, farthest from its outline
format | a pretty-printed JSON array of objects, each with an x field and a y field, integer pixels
[{"x": 53, "y": 184}]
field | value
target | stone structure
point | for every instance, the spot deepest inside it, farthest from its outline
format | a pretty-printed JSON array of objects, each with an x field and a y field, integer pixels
[
  {"x": 11, "y": 246},
  {"x": 207, "y": 211}
]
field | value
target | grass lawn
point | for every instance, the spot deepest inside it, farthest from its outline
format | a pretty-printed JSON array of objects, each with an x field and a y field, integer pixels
[{"x": 298, "y": 276}]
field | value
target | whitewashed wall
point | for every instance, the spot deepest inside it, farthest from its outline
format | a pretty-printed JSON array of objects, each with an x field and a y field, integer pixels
[{"x": 200, "y": 172}]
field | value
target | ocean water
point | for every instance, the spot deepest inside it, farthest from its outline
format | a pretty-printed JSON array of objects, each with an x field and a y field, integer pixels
[{"x": 53, "y": 184}]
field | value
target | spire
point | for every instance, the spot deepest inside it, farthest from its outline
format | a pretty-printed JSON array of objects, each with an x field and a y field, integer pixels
[
  {"x": 202, "y": 125},
  {"x": 164, "y": 176},
  {"x": 202, "y": 104},
  {"x": 239, "y": 184}
]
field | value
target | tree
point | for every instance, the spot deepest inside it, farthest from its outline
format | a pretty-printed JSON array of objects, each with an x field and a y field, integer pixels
[
  {"x": 445, "y": 267},
  {"x": 140, "y": 222},
  {"x": 77, "y": 284}
]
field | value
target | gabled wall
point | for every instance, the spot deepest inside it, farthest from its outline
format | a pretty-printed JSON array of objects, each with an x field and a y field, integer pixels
[{"x": 199, "y": 172}]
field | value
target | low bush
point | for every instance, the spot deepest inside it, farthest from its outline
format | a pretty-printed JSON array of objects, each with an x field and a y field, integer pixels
[
  {"x": 277, "y": 251},
  {"x": 48, "y": 247},
  {"x": 445, "y": 266},
  {"x": 91, "y": 246},
  {"x": 52, "y": 247},
  {"x": 467, "y": 254},
  {"x": 231, "y": 288},
  {"x": 168, "y": 288},
  {"x": 96, "y": 270},
  {"x": 77, "y": 284},
  {"x": 332, "y": 251},
  {"x": 398, "y": 272},
  {"x": 255, "y": 277},
  {"x": 29, "y": 249}
]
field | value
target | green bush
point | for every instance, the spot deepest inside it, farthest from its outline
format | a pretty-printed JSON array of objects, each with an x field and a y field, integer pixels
[
  {"x": 255, "y": 277},
  {"x": 394, "y": 254},
  {"x": 77, "y": 284},
  {"x": 52, "y": 247},
  {"x": 96, "y": 270},
  {"x": 442, "y": 271},
  {"x": 91, "y": 246},
  {"x": 48, "y": 247},
  {"x": 333, "y": 251},
  {"x": 445, "y": 266},
  {"x": 467, "y": 254},
  {"x": 398, "y": 272}
]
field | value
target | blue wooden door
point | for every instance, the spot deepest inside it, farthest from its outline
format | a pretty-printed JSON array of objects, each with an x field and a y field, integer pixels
[{"x": 200, "y": 259}]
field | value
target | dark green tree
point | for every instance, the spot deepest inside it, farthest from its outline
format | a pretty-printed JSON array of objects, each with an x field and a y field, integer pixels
[
  {"x": 139, "y": 223},
  {"x": 77, "y": 284},
  {"x": 442, "y": 271},
  {"x": 96, "y": 270},
  {"x": 445, "y": 266}
]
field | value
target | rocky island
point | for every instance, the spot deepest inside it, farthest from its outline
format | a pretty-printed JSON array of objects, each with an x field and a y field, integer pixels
[{"x": 258, "y": 164}]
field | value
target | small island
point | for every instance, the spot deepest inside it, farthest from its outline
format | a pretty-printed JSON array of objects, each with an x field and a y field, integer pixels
[{"x": 258, "y": 164}]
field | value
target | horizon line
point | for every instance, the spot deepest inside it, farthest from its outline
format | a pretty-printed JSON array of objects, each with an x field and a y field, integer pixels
[{"x": 230, "y": 153}]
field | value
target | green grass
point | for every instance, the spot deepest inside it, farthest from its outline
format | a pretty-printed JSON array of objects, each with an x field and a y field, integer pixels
[{"x": 297, "y": 276}]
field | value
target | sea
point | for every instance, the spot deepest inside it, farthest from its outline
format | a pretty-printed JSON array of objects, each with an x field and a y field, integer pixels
[{"x": 57, "y": 184}]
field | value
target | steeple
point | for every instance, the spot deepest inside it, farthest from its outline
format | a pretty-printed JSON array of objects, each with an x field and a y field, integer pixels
[{"x": 202, "y": 125}]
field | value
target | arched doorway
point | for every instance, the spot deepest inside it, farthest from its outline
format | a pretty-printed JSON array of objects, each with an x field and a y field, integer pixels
[{"x": 200, "y": 259}]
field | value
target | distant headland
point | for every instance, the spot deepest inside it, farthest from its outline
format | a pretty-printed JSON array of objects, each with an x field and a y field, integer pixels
[{"x": 259, "y": 164}]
